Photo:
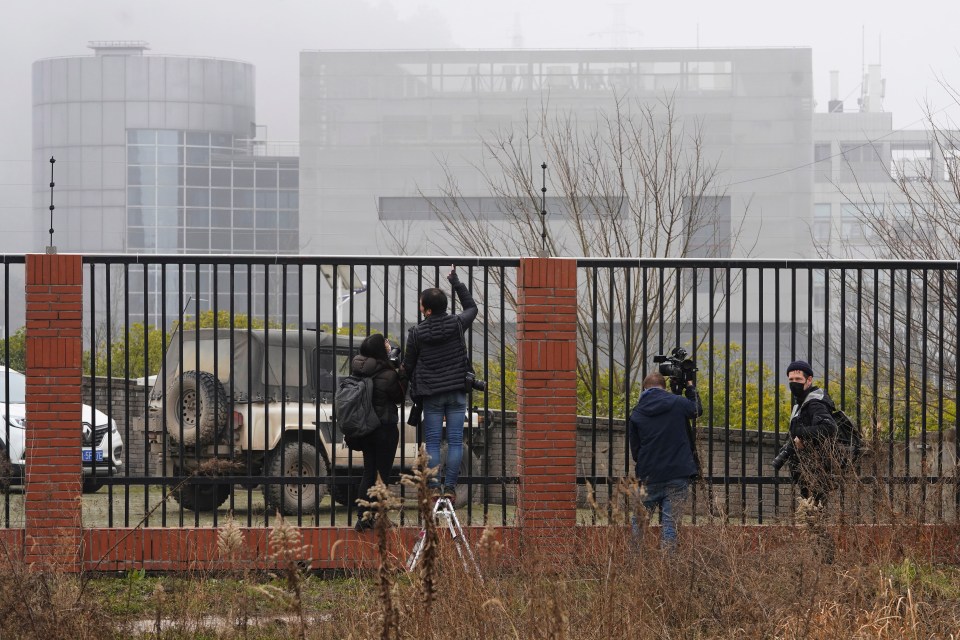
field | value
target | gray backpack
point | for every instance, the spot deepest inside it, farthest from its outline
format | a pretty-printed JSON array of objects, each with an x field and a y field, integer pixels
[{"x": 353, "y": 407}]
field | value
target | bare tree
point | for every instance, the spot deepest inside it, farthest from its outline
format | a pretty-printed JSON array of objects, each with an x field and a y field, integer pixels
[
  {"x": 633, "y": 182},
  {"x": 914, "y": 215}
]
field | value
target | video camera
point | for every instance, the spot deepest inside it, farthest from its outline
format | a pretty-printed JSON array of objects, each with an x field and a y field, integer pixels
[
  {"x": 678, "y": 368},
  {"x": 393, "y": 357},
  {"x": 472, "y": 384},
  {"x": 785, "y": 454}
]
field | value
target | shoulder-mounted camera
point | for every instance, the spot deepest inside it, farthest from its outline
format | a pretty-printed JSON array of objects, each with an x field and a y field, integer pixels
[{"x": 678, "y": 368}]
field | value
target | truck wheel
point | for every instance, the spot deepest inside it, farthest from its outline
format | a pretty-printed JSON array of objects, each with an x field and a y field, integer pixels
[
  {"x": 202, "y": 497},
  {"x": 195, "y": 411},
  {"x": 291, "y": 460},
  {"x": 92, "y": 486}
]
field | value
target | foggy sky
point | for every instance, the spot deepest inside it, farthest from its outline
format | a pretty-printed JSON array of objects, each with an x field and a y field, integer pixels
[{"x": 918, "y": 45}]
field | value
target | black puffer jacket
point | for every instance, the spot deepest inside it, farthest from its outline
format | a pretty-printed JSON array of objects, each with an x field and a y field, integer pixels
[
  {"x": 387, "y": 390},
  {"x": 812, "y": 420},
  {"x": 436, "y": 359}
]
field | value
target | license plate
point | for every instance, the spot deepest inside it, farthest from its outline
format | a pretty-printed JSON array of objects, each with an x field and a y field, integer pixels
[{"x": 88, "y": 455}]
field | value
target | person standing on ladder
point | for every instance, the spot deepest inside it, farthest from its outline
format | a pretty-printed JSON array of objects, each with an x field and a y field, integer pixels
[{"x": 438, "y": 366}]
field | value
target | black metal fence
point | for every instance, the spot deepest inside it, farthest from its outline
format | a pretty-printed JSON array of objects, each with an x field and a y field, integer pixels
[
  {"x": 278, "y": 333},
  {"x": 12, "y": 433},
  {"x": 880, "y": 336}
]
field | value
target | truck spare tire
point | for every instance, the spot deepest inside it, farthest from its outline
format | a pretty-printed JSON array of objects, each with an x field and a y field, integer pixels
[{"x": 195, "y": 409}]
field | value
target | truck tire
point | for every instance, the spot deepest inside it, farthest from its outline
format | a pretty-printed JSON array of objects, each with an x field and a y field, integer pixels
[
  {"x": 291, "y": 460},
  {"x": 195, "y": 410},
  {"x": 202, "y": 497}
]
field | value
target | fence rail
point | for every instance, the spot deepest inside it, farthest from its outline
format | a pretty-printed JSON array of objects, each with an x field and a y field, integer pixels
[{"x": 881, "y": 336}]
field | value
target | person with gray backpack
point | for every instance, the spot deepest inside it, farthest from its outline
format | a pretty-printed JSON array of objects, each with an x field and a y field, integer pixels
[{"x": 367, "y": 414}]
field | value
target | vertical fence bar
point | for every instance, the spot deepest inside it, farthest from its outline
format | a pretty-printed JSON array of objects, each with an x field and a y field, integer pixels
[
  {"x": 611, "y": 374},
  {"x": 908, "y": 383},
  {"x": 956, "y": 391},
  {"x": 594, "y": 378},
  {"x": 760, "y": 375},
  {"x": 875, "y": 390},
  {"x": 743, "y": 394},
  {"x": 6, "y": 376},
  {"x": 826, "y": 330},
  {"x": 810, "y": 291},
  {"x": 941, "y": 390},
  {"x": 627, "y": 365},
  {"x": 858, "y": 391},
  {"x": 694, "y": 325},
  {"x": 924, "y": 360},
  {"x": 891, "y": 389},
  {"x": 503, "y": 398},
  {"x": 776, "y": 384},
  {"x": 726, "y": 393},
  {"x": 711, "y": 381},
  {"x": 127, "y": 436},
  {"x": 108, "y": 290}
]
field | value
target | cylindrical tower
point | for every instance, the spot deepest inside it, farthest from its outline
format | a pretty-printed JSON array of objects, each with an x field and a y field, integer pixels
[{"x": 123, "y": 127}]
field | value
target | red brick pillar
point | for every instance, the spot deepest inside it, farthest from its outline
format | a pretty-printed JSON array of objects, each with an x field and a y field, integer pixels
[
  {"x": 547, "y": 398},
  {"x": 52, "y": 485}
]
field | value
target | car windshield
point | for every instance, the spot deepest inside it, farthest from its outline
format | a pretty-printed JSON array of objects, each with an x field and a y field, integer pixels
[{"x": 17, "y": 391}]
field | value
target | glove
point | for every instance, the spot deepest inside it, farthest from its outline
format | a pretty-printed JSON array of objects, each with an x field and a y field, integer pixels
[{"x": 452, "y": 276}]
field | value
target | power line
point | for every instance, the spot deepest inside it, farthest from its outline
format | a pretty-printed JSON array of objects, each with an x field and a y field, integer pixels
[{"x": 841, "y": 153}]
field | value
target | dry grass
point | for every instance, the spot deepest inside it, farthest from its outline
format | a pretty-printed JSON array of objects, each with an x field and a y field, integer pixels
[{"x": 817, "y": 578}]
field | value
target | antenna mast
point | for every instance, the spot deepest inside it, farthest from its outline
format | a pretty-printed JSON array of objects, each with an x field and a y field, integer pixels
[{"x": 51, "y": 248}]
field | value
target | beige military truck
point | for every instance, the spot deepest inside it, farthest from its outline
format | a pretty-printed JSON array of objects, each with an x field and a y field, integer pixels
[{"x": 261, "y": 400}]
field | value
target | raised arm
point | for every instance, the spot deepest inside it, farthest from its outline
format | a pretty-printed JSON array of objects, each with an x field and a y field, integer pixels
[{"x": 467, "y": 302}]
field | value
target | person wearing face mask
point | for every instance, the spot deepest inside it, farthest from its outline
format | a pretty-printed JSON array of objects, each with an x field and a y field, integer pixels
[{"x": 813, "y": 431}]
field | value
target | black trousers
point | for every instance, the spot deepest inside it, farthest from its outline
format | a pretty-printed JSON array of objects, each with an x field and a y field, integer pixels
[
  {"x": 379, "y": 450},
  {"x": 812, "y": 473}
]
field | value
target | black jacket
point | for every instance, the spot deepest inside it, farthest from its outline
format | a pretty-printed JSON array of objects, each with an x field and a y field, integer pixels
[
  {"x": 659, "y": 439},
  {"x": 812, "y": 420},
  {"x": 436, "y": 359},
  {"x": 387, "y": 390}
]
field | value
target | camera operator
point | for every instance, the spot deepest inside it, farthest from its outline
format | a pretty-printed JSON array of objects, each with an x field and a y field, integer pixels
[
  {"x": 813, "y": 431},
  {"x": 661, "y": 442},
  {"x": 437, "y": 363},
  {"x": 379, "y": 448}
]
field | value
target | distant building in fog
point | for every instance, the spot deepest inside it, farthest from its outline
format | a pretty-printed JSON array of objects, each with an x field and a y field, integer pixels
[
  {"x": 375, "y": 126},
  {"x": 157, "y": 154}
]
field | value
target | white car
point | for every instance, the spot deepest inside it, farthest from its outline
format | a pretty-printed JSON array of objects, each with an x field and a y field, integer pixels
[{"x": 101, "y": 450}]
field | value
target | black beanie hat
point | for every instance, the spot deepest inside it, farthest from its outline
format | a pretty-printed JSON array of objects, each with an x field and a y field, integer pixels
[
  {"x": 375, "y": 346},
  {"x": 800, "y": 365}
]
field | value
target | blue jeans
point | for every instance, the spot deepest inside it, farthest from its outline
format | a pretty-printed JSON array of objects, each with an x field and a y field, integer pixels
[
  {"x": 453, "y": 406},
  {"x": 669, "y": 496}
]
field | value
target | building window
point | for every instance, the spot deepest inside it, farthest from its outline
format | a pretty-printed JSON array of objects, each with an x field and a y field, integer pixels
[
  {"x": 823, "y": 162},
  {"x": 911, "y": 162},
  {"x": 951, "y": 165},
  {"x": 856, "y": 221},
  {"x": 822, "y": 223},
  {"x": 819, "y": 289},
  {"x": 189, "y": 191}
]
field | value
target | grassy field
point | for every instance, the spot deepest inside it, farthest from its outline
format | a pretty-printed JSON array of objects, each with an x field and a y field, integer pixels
[
  {"x": 818, "y": 579},
  {"x": 802, "y": 584}
]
